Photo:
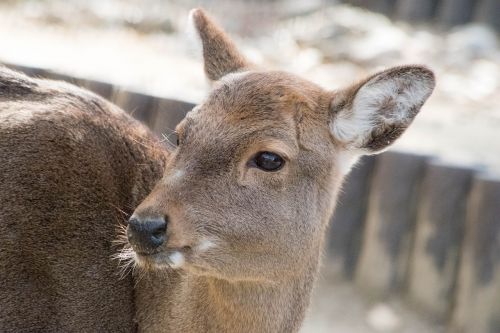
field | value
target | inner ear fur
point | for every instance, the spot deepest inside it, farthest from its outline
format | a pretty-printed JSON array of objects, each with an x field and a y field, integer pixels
[
  {"x": 220, "y": 55},
  {"x": 369, "y": 116}
]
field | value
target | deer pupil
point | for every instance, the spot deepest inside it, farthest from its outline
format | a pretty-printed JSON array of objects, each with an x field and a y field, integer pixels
[{"x": 268, "y": 161}]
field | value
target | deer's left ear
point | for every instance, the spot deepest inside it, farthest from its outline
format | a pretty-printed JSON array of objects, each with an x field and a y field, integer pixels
[
  {"x": 371, "y": 115},
  {"x": 220, "y": 55}
]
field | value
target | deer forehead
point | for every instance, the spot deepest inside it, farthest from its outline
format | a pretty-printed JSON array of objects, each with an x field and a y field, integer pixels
[
  {"x": 247, "y": 102},
  {"x": 265, "y": 93}
]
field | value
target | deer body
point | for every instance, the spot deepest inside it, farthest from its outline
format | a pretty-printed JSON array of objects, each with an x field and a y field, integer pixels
[
  {"x": 69, "y": 162},
  {"x": 228, "y": 227}
]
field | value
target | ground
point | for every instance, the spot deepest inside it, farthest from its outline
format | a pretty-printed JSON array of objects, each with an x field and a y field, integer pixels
[{"x": 338, "y": 307}]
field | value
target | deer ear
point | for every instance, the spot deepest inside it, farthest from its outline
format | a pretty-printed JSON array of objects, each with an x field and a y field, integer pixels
[
  {"x": 369, "y": 116},
  {"x": 220, "y": 55}
]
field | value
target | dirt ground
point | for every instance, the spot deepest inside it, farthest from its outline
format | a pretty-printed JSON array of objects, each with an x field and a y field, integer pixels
[
  {"x": 338, "y": 307},
  {"x": 142, "y": 45}
]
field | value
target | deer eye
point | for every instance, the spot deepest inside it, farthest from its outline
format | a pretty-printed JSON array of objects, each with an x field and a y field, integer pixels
[{"x": 268, "y": 161}]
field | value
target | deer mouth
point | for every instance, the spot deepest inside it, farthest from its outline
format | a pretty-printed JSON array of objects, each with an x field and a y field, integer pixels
[{"x": 171, "y": 257}]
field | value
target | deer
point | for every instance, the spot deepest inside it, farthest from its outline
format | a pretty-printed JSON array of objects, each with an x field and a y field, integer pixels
[{"x": 224, "y": 232}]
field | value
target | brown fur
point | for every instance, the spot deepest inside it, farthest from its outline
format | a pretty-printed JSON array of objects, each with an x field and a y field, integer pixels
[
  {"x": 70, "y": 163},
  {"x": 250, "y": 240}
]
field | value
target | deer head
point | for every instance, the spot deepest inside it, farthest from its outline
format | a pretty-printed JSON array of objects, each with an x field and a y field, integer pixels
[{"x": 249, "y": 190}]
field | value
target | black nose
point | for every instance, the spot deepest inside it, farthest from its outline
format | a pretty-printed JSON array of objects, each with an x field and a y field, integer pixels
[{"x": 145, "y": 235}]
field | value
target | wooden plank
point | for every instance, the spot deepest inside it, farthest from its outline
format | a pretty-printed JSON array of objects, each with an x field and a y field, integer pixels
[
  {"x": 456, "y": 12},
  {"x": 478, "y": 298},
  {"x": 168, "y": 114},
  {"x": 102, "y": 89},
  {"x": 138, "y": 105},
  {"x": 416, "y": 11},
  {"x": 390, "y": 221},
  {"x": 488, "y": 11},
  {"x": 438, "y": 238},
  {"x": 52, "y": 75},
  {"x": 347, "y": 223},
  {"x": 30, "y": 71},
  {"x": 380, "y": 6}
]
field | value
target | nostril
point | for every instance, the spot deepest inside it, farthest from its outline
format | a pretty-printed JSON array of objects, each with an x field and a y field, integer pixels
[
  {"x": 146, "y": 235},
  {"x": 159, "y": 233}
]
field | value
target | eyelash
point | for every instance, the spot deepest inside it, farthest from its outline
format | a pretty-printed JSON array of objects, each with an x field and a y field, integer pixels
[{"x": 177, "y": 140}]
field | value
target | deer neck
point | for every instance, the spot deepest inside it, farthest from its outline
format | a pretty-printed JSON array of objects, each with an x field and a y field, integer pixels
[
  {"x": 252, "y": 306},
  {"x": 207, "y": 304}
]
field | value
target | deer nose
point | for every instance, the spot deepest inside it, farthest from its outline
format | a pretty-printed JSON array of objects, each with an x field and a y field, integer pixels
[{"x": 146, "y": 235}]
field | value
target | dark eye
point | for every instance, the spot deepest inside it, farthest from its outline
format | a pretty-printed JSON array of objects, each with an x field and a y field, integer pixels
[{"x": 268, "y": 161}]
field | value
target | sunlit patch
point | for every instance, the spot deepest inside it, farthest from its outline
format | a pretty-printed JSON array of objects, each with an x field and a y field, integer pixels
[
  {"x": 194, "y": 112},
  {"x": 194, "y": 35},
  {"x": 178, "y": 174},
  {"x": 346, "y": 160},
  {"x": 205, "y": 245},
  {"x": 233, "y": 77},
  {"x": 14, "y": 117},
  {"x": 176, "y": 259}
]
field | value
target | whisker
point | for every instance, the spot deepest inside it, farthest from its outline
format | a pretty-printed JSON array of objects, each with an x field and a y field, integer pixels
[{"x": 119, "y": 209}]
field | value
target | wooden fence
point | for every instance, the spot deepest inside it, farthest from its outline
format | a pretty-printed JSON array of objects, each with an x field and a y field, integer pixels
[
  {"x": 446, "y": 13},
  {"x": 405, "y": 224},
  {"x": 415, "y": 226}
]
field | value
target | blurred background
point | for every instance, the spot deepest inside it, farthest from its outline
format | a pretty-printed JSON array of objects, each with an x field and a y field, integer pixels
[{"x": 415, "y": 243}]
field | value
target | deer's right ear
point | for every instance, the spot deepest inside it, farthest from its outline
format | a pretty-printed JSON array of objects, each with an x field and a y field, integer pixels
[
  {"x": 220, "y": 55},
  {"x": 369, "y": 116}
]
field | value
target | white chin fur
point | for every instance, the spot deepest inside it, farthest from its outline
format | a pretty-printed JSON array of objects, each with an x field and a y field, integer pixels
[{"x": 176, "y": 259}]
